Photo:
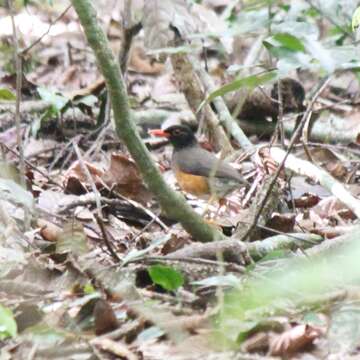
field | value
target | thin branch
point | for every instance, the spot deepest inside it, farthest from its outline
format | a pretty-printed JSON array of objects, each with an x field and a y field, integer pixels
[
  {"x": 29, "y": 164},
  {"x": 128, "y": 35},
  {"x": 293, "y": 140},
  {"x": 37, "y": 41},
  {"x": 331, "y": 20},
  {"x": 108, "y": 244},
  {"x": 90, "y": 180},
  {"x": 18, "y": 64},
  {"x": 19, "y": 140}
]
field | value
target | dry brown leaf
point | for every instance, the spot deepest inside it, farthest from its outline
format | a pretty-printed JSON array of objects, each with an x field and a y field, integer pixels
[
  {"x": 105, "y": 318},
  {"x": 258, "y": 342},
  {"x": 282, "y": 222},
  {"x": 92, "y": 89},
  {"x": 306, "y": 201},
  {"x": 294, "y": 340},
  {"x": 49, "y": 231},
  {"x": 123, "y": 176},
  {"x": 76, "y": 181},
  {"x": 265, "y": 162},
  {"x": 142, "y": 63},
  {"x": 115, "y": 347},
  {"x": 337, "y": 170},
  {"x": 332, "y": 207}
]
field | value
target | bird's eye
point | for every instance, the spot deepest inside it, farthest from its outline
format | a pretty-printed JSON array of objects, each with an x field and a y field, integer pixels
[{"x": 177, "y": 132}]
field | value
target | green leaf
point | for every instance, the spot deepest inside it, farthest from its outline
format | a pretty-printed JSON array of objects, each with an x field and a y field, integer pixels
[
  {"x": 250, "y": 82},
  {"x": 356, "y": 19},
  {"x": 274, "y": 255},
  {"x": 165, "y": 276},
  {"x": 89, "y": 289},
  {"x": 58, "y": 101},
  {"x": 8, "y": 325},
  {"x": 6, "y": 94},
  {"x": 290, "y": 42}
]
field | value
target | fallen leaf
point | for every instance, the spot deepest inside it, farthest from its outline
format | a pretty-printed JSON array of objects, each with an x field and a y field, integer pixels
[
  {"x": 116, "y": 348},
  {"x": 76, "y": 180},
  {"x": 142, "y": 63},
  {"x": 332, "y": 207},
  {"x": 105, "y": 318},
  {"x": 123, "y": 176},
  {"x": 281, "y": 222},
  {"x": 306, "y": 201},
  {"x": 49, "y": 231},
  {"x": 294, "y": 340}
]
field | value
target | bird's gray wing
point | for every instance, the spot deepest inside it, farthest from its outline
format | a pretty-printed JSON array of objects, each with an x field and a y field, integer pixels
[{"x": 198, "y": 161}]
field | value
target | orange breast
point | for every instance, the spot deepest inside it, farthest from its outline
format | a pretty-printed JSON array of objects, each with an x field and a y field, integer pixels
[{"x": 193, "y": 184}]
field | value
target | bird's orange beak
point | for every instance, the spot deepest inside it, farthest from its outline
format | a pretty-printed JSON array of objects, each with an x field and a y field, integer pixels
[{"x": 159, "y": 132}]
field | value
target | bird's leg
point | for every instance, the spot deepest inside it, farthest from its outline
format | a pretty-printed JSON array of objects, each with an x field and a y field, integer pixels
[{"x": 211, "y": 200}]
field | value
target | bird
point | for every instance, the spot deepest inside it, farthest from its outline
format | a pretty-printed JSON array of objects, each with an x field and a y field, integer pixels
[{"x": 198, "y": 171}]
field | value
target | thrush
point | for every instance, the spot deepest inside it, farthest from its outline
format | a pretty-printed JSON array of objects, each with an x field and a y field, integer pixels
[{"x": 198, "y": 171}]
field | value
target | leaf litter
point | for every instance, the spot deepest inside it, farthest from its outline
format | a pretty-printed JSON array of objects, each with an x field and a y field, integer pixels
[{"x": 63, "y": 294}]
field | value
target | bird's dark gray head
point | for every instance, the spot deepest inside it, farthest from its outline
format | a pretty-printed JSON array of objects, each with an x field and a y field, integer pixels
[{"x": 180, "y": 136}]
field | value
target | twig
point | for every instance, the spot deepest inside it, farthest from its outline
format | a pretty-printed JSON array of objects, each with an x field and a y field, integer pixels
[
  {"x": 330, "y": 245},
  {"x": 281, "y": 165},
  {"x": 280, "y": 124},
  {"x": 27, "y": 49},
  {"x": 28, "y": 163},
  {"x": 59, "y": 155},
  {"x": 307, "y": 128},
  {"x": 100, "y": 137},
  {"x": 331, "y": 20},
  {"x": 90, "y": 179},
  {"x": 32, "y": 352},
  {"x": 142, "y": 231},
  {"x": 128, "y": 34},
  {"x": 252, "y": 57},
  {"x": 106, "y": 239},
  {"x": 19, "y": 75},
  {"x": 18, "y": 64}
]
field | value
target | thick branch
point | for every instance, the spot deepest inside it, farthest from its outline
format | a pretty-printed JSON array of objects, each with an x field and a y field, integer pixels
[
  {"x": 172, "y": 203},
  {"x": 232, "y": 250}
]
